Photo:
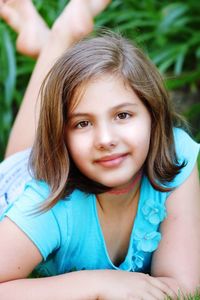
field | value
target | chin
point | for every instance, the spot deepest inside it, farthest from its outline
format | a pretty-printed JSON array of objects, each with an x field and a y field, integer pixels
[{"x": 117, "y": 184}]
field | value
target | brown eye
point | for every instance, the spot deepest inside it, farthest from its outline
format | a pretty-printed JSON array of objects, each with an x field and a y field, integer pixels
[
  {"x": 123, "y": 115},
  {"x": 82, "y": 124}
]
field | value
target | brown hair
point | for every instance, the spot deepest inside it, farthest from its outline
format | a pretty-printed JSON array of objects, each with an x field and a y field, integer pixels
[{"x": 106, "y": 54}]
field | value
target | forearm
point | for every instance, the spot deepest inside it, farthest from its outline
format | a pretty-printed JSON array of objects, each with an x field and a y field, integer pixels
[
  {"x": 172, "y": 283},
  {"x": 80, "y": 285},
  {"x": 180, "y": 287},
  {"x": 89, "y": 285}
]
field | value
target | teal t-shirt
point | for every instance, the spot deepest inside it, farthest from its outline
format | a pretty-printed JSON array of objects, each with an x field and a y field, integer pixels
[{"x": 69, "y": 236}]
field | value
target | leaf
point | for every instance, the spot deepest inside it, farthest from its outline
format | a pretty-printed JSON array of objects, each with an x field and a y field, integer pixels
[
  {"x": 170, "y": 14},
  {"x": 179, "y": 61},
  {"x": 11, "y": 62},
  {"x": 182, "y": 80},
  {"x": 198, "y": 52}
]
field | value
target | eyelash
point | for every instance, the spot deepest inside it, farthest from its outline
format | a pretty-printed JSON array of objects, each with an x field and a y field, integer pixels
[
  {"x": 78, "y": 125},
  {"x": 86, "y": 123},
  {"x": 127, "y": 115}
]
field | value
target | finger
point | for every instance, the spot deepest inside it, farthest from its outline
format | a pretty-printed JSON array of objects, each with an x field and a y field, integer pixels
[
  {"x": 152, "y": 294},
  {"x": 154, "y": 288},
  {"x": 157, "y": 294},
  {"x": 162, "y": 286}
]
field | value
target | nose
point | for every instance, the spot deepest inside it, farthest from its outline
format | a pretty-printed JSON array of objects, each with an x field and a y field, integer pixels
[{"x": 105, "y": 137}]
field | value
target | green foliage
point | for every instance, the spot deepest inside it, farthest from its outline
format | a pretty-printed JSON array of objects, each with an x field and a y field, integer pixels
[
  {"x": 168, "y": 32},
  {"x": 189, "y": 297},
  {"x": 7, "y": 82}
]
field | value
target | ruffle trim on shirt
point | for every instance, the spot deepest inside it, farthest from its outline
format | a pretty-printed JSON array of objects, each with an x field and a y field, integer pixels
[
  {"x": 146, "y": 240},
  {"x": 153, "y": 211}
]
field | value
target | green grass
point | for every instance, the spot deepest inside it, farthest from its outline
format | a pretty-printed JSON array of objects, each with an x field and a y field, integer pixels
[{"x": 195, "y": 297}]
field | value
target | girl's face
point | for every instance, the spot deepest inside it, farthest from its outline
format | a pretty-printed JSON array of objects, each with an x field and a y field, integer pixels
[{"x": 108, "y": 132}]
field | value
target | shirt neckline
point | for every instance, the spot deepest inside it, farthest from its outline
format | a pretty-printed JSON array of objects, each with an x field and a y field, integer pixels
[{"x": 126, "y": 264}]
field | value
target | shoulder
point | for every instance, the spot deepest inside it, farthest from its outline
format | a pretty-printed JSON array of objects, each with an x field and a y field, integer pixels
[
  {"x": 185, "y": 145},
  {"x": 36, "y": 193},
  {"x": 42, "y": 228},
  {"x": 187, "y": 151},
  {"x": 59, "y": 220}
]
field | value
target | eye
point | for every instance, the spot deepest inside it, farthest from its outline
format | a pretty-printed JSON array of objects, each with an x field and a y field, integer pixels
[
  {"x": 123, "y": 115},
  {"x": 82, "y": 124}
]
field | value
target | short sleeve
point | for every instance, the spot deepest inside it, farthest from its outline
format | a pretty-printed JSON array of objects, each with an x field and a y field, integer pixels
[
  {"x": 14, "y": 174},
  {"x": 187, "y": 151},
  {"x": 41, "y": 228}
]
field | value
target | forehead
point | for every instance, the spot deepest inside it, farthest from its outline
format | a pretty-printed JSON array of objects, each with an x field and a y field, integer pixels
[{"x": 103, "y": 92}]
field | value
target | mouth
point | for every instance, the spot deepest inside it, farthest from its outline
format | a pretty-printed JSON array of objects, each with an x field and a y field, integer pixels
[{"x": 111, "y": 160}]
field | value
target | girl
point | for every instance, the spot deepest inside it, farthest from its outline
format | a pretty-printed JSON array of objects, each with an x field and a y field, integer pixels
[
  {"x": 115, "y": 190},
  {"x": 35, "y": 39}
]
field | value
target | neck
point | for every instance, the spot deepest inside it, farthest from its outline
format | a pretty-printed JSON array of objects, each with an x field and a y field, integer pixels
[
  {"x": 130, "y": 187},
  {"x": 119, "y": 198}
]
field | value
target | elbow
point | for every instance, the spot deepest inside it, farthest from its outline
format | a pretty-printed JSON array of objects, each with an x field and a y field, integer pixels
[
  {"x": 3, "y": 291},
  {"x": 189, "y": 286},
  {"x": 183, "y": 286}
]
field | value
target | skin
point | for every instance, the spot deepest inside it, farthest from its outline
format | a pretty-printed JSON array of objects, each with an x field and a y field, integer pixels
[
  {"x": 32, "y": 30},
  {"x": 19, "y": 256},
  {"x": 181, "y": 231},
  {"x": 117, "y": 128},
  {"x": 31, "y": 37},
  {"x": 77, "y": 21},
  {"x": 109, "y": 130},
  {"x": 122, "y": 116},
  {"x": 166, "y": 277}
]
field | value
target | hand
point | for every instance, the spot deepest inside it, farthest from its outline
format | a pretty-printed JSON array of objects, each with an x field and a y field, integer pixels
[{"x": 121, "y": 285}]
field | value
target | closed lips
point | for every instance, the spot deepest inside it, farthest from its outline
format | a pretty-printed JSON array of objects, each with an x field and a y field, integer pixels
[
  {"x": 110, "y": 158},
  {"x": 111, "y": 161}
]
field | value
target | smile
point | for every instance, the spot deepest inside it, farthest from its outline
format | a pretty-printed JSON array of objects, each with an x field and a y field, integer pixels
[{"x": 112, "y": 160}]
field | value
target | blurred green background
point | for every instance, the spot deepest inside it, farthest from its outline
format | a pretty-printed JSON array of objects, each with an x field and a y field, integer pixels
[{"x": 168, "y": 31}]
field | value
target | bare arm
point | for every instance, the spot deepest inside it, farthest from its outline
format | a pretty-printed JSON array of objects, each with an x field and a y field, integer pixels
[
  {"x": 87, "y": 285},
  {"x": 177, "y": 259},
  {"x": 19, "y": 256},
  {"x": 175, "y": 264},
  {"x": 72, "y": 286}
]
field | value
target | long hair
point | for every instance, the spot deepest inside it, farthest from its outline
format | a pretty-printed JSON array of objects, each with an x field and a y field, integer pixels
[{"x": 91, "y": 58}]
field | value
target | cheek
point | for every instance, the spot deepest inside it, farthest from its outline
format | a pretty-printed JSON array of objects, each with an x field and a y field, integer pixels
[
  {"x": 77, "y": 148},
  {"x": 72, "y": 146},
  {"x": 144, "y": 139},
  {"x": 139, "y": 137},
  {"x": 69, "y": 143},
  {"x": 144, "y": 144},
  {"x": 139, "y": 132}
]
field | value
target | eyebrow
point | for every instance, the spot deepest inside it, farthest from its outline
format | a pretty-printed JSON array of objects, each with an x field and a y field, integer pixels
[{"x": 76, "y": 115}]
